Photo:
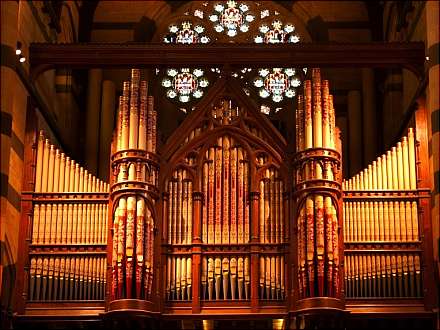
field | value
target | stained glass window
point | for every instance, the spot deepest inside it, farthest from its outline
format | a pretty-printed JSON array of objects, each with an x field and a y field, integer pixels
[
  {"x": 184, "y": 84},
  {"x": 186, "y": 33},
  {"x": 276, "y": 83},
  {"x": 231, "y": 17},
  {"x": 276, "y": 32}
]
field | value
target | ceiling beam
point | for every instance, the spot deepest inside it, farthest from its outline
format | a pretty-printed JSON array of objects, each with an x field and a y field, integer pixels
[{"x": 410, "y": 55}]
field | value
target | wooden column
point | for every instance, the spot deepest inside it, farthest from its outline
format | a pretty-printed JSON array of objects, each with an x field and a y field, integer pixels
[
  {"x": 106, "y": 127},
  {"x": 26, "y": 213},
  {"x": 354, "y": 131},
  {"x": 424, "y": 183},
  {"x": 197, "y": 216},
  {"x": 196, "y": 251},
  {"x": 255, "y": 232},
  {"x": 92, "y": 122},
  {"x": 433, "y": 112},
  {"x": 369, "y": 115}
]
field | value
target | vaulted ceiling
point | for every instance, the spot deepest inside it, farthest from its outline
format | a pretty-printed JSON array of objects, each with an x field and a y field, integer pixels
[{"x": 326, "y": 20}]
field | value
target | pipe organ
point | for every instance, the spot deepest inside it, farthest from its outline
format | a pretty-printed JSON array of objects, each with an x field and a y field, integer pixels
[{"x": 222, "y": 221}]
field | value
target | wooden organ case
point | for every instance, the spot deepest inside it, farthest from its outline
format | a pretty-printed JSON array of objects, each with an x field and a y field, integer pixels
[{"x": 224, "y": 223}]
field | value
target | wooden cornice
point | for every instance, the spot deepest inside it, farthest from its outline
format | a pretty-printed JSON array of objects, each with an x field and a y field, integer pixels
[{"x": 45, "y": 56}]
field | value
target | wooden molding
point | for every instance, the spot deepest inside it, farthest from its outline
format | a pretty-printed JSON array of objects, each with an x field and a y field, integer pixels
[{"x": 45, "y": 56}]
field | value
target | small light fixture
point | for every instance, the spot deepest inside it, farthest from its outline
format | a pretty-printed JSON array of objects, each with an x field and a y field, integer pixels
[
  {"x": 22, "y": 59},
  {"x": 18, "y": 48},
  {"x": 427, "y": 58}
]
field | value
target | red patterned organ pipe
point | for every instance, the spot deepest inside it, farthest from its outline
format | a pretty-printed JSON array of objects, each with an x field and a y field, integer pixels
[{"x": 134, "y": 173}]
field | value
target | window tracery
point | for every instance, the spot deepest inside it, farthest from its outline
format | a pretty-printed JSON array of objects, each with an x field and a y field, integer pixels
[{"x": 220, "y": 21}]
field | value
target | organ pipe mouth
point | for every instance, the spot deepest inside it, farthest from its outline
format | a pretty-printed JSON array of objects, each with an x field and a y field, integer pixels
[{"x": 278, "y": 324}]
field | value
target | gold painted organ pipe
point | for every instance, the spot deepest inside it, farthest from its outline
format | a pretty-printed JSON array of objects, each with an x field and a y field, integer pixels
[
  {"x": 320, "y": 242},
  {"x": 411, "y": 277},
  {"x": 133, "y": 110},
  {"x": 267, "y": 277},
  {"x": 308, "y": 114},
  {"x": 188, "y": 277},
  {"x": 261, "y": 215},
  {"x": 204, "y": 276},
  {"x": 272, "y": 278},
  {"x": 39, "y": 164},
  {"x": 211, "y": 187},
  {"x": 246, "y": 203},
  {"x": 218, "y": 192},
  {"x": 226, "y": 194},
  {"x": 240, "y": 275},
  {"x": 217, "y": 274},
  {"x": 262, "y": 276},
  {"x": 205, "y": 204},
  {"x": 310, "y": 247},
  {"x": 173, "y": 278},
  {"x": 412, "y": 159},
  {"x": 125, "y": 122},
  {"x": 179, "y": 208},
  {"x": 328, "y": 222},
  {"x": 184, "y": 210},
  {"x": 142, "y": 143},
  {"x": 233, "y": 207},
  {"x": 267, "y": 208},
  {"x": 178, "y": 277},
  {"x": 115, "y": 254},
  {"x": 172, "y": 211},
  {"x": 300, "y": 123},
  {"x": 189, "y": 211},
  {"x": 45, "y": 166},
  {"x": 240, "y": 202},
  {"x": 225, "y": 277},
  {"x": 140, "y": 236},
  {"x": 183, "y": 279},
  {"x": 405, "y": 275},
  {"x": 233, "y": 278},
  {"x": 247, "y": 277},
  {"x": 302, "y": 251}
]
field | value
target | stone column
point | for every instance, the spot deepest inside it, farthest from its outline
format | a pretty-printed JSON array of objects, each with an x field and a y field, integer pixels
[
  {"x": 433, "y": 109},
  {"x": 12, "y": 143},
  {"x": 9, "y": 15},
  {"x": 392, "y": 107},
  {"x": 341, "y": 123},
  {"x": 92, "y": 120},
  {"x": 106, "y": 127},
  {"x": 369, "y": 116},
  {"x": 354, "y": 131}
]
